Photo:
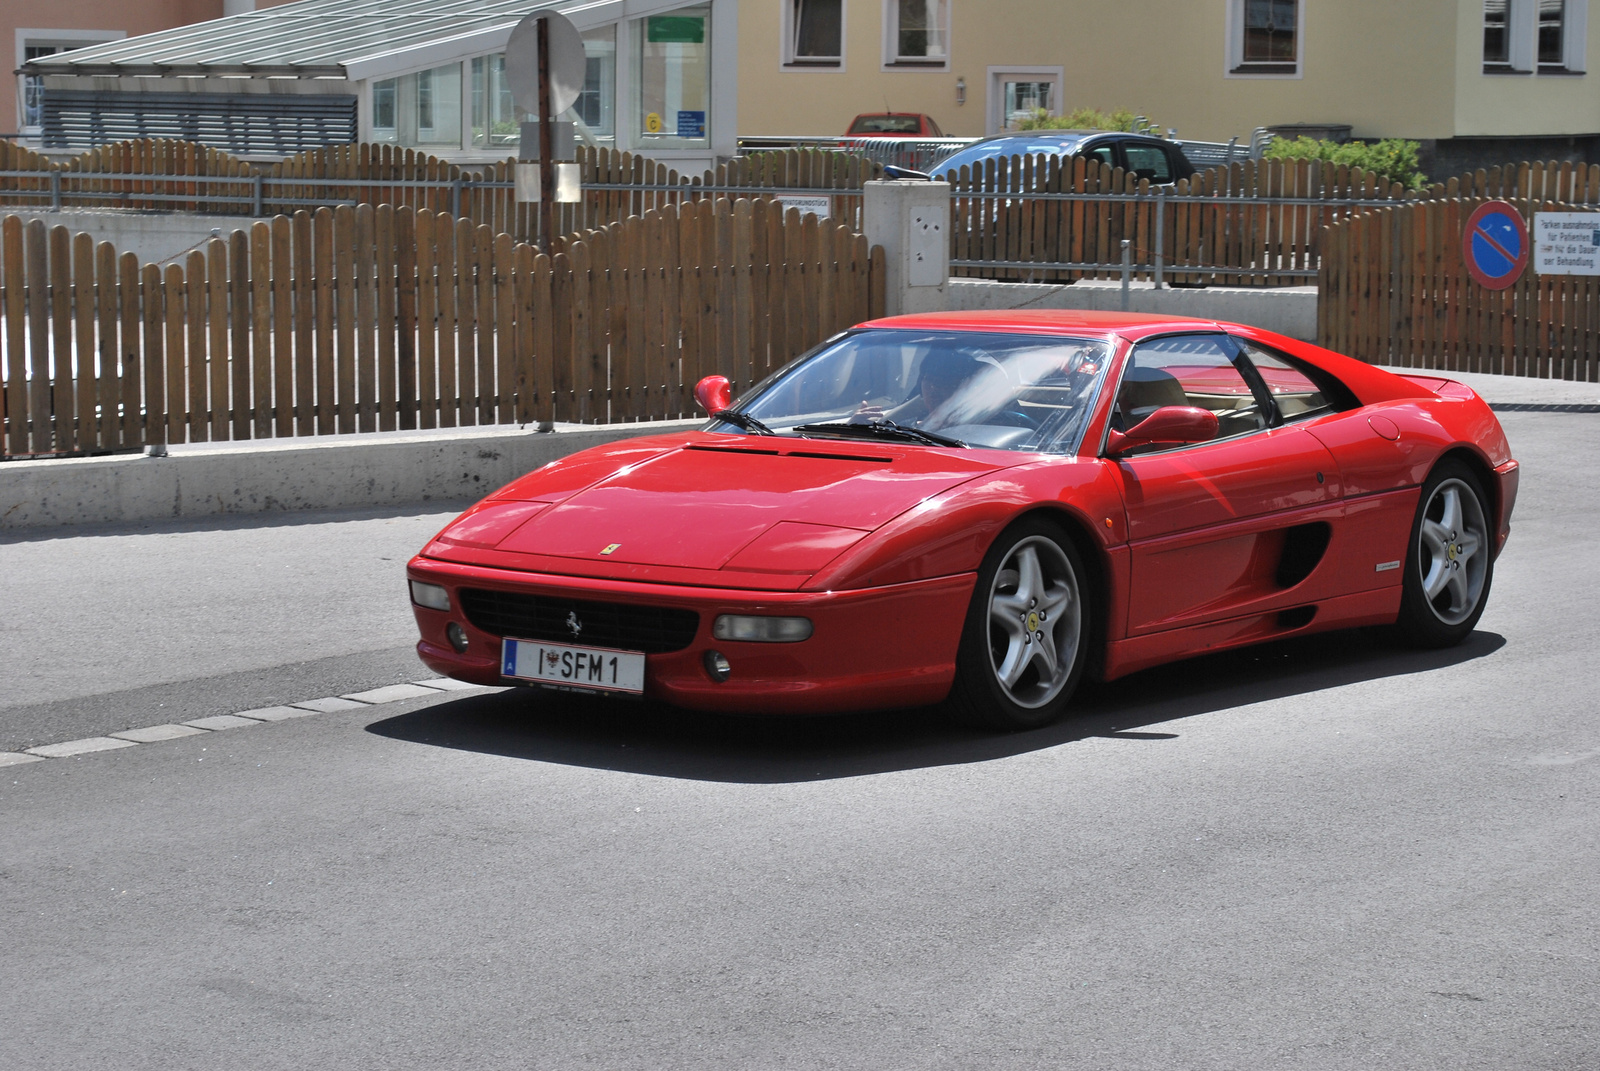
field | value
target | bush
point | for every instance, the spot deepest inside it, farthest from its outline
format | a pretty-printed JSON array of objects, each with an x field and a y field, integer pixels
[
  {"x": 1392, "y": 158},
  {"x": 1080, "y": 119}
]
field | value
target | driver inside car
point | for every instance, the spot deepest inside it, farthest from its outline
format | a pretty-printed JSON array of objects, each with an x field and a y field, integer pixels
[{"x": 942, "y": 378}]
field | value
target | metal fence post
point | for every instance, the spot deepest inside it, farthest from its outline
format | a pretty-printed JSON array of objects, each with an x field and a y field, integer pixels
[
  {"x": 1127, "y": 270},
  {"x": 260, "y": 204},
  {"x": 1161, "y": 234}
]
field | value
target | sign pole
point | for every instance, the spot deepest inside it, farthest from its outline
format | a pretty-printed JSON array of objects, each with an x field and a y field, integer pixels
[{"x": 547, "y": 169}]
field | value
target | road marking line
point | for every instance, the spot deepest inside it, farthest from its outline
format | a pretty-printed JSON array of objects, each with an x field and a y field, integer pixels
[
  {"x": 68, "y": 748},
  {"x": 328, "y": 704},
  {"x": 392, "y": 694},
  {"x": 152, "y": 734},
  {"x": 218, "y": 722},
  {"x": 448, "y": 684},
  {"x": 276, "y": 713}
]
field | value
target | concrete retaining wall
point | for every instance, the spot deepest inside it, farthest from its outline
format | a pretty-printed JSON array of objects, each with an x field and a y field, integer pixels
[
  {"x": 1288, "y": 310},
  {"x": 374, "y": 470},
  {"x": 153, "y": 237}
]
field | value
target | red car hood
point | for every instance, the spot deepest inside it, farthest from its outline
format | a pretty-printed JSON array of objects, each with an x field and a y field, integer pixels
[{"x": 701, "y": 501}]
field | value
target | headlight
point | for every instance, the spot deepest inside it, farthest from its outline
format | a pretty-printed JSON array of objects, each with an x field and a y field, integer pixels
[
  {"x": 762, "y": 629},
  {"x": 432, "y": 596}
]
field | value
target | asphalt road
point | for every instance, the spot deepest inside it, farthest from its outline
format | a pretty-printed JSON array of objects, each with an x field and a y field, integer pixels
[{"x": 1322, "y": 854}]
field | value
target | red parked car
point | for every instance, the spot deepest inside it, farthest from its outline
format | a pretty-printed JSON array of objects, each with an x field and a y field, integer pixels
[
  {"x": 894, "y": 125},
  {"x": 980, "y": 508}
]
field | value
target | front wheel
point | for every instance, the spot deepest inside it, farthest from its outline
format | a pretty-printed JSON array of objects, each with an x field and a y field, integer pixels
[
  {"x": 1026, "y": 637},
  {"x": 1450, "y": 560}
]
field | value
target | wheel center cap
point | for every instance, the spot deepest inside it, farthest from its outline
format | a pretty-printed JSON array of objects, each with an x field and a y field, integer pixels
[
  {"x": 1452, "y": 550},
  {"x": 1033, "y": 621}
]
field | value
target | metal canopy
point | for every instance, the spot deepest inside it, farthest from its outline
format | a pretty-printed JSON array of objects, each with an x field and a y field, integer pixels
[{"x": 310, "y": 39}]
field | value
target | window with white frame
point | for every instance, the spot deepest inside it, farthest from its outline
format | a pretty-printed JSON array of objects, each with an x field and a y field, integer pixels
[
  {"x": 1265, "y": 37},
  {"x": 37, "y": 44},
  {"x": 813, "y": 33},
  {"x": 1527, "y": 36},
  {"x": 916, "y": 33}
]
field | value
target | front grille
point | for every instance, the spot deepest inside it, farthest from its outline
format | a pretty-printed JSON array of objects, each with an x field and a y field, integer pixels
[{"x": 651, "y": 629}]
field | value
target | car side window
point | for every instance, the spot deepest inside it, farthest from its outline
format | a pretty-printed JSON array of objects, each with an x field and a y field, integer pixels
[
  {"x": 1103, "y": 154},
  {"x": 1148, "y": 162},
  {"x": 1298, "y": 393},
  {"x": 1190, "y": 370}
]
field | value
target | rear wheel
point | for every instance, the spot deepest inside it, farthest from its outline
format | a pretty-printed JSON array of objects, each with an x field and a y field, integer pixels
[
  {"x": 1027, "y": 631},
  {"x": 1450, "y": 560}
]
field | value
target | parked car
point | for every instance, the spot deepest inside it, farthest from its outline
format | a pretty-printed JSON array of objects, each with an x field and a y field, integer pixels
[
  {"x": 1159, "y": 161},
  {"x": 981, "y": 508},
  {"x": 894, "y": 125}
]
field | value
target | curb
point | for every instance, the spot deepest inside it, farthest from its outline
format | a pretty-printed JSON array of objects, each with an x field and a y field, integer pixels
[{"x": 382, "y": 469}]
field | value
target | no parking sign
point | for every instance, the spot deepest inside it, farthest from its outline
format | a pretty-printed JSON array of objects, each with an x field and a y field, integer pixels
[{"x": 1495, "y": 245}]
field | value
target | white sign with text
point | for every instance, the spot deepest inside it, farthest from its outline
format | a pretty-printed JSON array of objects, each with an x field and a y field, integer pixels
[
  {"x": 1566, "y": 243},
  {"x": 816, "y": 206}
]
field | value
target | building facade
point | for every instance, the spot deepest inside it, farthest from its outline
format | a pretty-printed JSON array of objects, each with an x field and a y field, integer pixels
[
  {"x": 1471, "y": 79},
  {"x": 659, "y": 78}
]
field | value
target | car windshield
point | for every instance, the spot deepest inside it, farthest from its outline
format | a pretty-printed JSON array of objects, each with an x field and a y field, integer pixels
[
  {"x": 993, "y": 150},
  {"x": 886, "y": 124},
  {"x": 965, "y": 388}
]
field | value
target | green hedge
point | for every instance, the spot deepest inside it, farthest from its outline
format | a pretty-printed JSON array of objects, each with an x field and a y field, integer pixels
[
  {"x": 1392, "y": 158},
  {"x": 1080, "y": 119}
]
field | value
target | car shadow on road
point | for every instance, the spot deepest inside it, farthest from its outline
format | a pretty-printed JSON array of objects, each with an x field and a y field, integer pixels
[{"x": 662, "y": 741}]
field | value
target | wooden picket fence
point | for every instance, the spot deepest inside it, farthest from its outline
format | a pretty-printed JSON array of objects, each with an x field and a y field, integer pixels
[
  {"x": 181, "y": 176},
  {"x": 1395, "y": 290},
  {"x": 373, "y": 319},
  {"x": 1253, "y": 223}
]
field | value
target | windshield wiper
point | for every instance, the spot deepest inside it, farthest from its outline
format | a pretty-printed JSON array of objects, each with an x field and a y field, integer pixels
[
  {"x": 884, "y": 429},
  {"x": 743, "y": 420}
]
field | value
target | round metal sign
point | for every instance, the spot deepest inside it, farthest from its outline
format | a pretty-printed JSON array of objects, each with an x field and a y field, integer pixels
[
  {"x": 1495, "y": 245},
  {"x": 568, "y": 64}
]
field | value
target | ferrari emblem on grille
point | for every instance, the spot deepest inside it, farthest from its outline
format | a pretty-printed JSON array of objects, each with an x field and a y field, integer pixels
[
  {"x": 574, "y": 626},
  {"x": 611, "y": 548}
]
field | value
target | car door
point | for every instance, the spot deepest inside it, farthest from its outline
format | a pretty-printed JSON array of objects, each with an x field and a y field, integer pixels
[
  {"x": 1234, "y": 526},
  {"x": 1377, "y": 466},
  {"x": 1148, "y": 161}
]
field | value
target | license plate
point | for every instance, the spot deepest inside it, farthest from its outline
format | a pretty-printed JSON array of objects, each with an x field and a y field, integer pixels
[{"x": 600, "y": 669}]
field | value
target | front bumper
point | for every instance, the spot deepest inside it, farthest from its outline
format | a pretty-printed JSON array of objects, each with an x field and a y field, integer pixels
[{"x": 870, "y": 649}]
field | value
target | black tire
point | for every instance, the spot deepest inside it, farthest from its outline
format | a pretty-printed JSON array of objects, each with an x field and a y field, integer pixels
[
  {"x": 1449, "y": 563},
  {"x": 1022, "y": 676}
]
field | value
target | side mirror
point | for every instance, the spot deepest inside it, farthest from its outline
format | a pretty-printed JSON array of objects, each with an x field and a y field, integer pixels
[
  {"x": 714, "y": 393},
  {"x": 1171, "y": 424}
]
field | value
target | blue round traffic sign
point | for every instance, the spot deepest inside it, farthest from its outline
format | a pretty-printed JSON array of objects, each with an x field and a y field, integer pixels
[{"x": 1495, "y": 244}]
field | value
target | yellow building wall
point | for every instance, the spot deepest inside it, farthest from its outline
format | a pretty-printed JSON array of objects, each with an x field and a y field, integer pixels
[
  {"x": 1389, "y": 69},
  {"x": 1522, "y": 105}
]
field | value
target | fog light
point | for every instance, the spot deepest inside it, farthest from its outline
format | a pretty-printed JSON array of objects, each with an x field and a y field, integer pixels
[
  {"x": 762, "y": 629},
  {"x": 718, "y": 666},
  {"x": 457, "y": 637},
  {"x": 430, "y": 595}
]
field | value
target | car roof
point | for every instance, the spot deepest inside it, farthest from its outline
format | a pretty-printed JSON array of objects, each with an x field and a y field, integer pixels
[{"x": 1130, "y": 325}]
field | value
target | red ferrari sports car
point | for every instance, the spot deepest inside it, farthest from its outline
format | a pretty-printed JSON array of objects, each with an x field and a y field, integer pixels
[{"x": 980, "y": 508}]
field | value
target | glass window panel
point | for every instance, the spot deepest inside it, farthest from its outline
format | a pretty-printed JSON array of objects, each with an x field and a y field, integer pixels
[
  {"x": 420, "y": 110},
  {"x": 1269, "y": 31},
  {"x": 672, "y": 65},
  {"x": 1023, "y": 99},
  {"x": 919, "y": 29},
  {"x": 495, "y": 122},
  {"x": 1552, "y": 26},
  {"x": 1148, "y": 162},
  {"x": 596, "y": 108},
  {"x": 1496, "y": 38},
  {"x": 1192, "y": 370},
  {"x": 818, "y": 29}
]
